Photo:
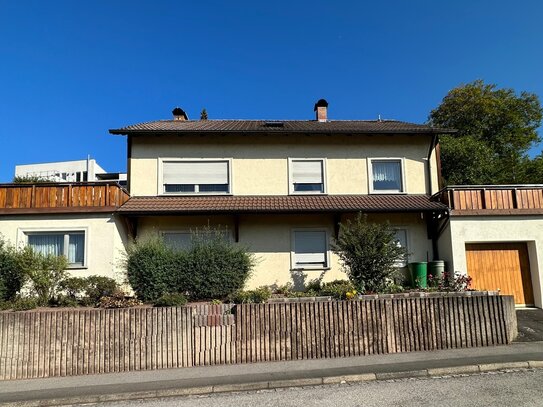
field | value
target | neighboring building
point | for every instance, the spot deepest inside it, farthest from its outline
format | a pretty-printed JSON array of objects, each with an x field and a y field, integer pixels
[
  {"x": 282, "y": 187},
  {"x": 69, "y": 171}
]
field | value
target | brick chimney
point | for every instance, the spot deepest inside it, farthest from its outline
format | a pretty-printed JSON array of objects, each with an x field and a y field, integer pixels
[
  {"x": 321, "y": 107},
  {"x": 179, "y": 114}
]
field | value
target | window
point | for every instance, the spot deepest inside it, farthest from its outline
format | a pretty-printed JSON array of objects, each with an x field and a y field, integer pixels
[
  {"x": 196, "y": 177},
  {"x": 69, "y": 244},
  {"x": 386, "y": 175},
  {"x": 177, "y": 240},
  {"x": 401, "y": 240},
  {"x": 310, "y": 249},
  {"x": 307, "y": 176}
]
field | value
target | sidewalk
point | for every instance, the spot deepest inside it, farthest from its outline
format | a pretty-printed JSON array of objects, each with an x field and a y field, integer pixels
[{"x": 209, "y": 379}]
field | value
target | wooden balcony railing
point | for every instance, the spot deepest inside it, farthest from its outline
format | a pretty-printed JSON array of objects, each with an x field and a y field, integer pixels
[
  {"x": 60, "y": 197},
  {"x": 499, "y": 197}
]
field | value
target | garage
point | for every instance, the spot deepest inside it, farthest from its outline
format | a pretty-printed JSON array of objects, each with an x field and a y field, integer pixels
[{"x": 501, "y": 266}]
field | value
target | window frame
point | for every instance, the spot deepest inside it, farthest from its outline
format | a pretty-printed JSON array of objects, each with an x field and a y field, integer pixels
[
  {"x": 401, "y": 160},
  {"x": 293, "y": 265},
  {"x": 160, "y": 176},
  {"x": 291, "y": 181},
  {"x": 23, "y": 234}
]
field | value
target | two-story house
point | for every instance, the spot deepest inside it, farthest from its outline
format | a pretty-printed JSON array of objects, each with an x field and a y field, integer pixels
[{"x": 283, "y": 187}]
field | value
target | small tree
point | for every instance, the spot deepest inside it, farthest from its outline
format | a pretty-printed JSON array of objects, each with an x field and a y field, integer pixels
[
  {"x": 11, "y": 271},
  {"x": 203, "y": 114},
  {"x": 368, "y": 252},
  {"x": 30, "y": 179}
]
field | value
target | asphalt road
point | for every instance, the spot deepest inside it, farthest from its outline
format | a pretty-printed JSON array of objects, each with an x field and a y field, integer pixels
[{"x": 517, "y": 388}]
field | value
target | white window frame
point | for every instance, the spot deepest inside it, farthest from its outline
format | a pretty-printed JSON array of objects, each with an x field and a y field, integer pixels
[
  {"x": 405, "y": 262},
  {"x": 293, "y": 249},
  {"x": 386, "y": 191},
  {"x": 22, "y": 237},
  {"x": 291, "y": 181},
  {"x": 160, "y": 172}
]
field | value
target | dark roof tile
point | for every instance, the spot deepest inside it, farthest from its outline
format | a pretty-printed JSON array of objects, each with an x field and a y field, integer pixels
[
  {"x": 288, "y": 126},
  {"x": 279, "y": 204}
]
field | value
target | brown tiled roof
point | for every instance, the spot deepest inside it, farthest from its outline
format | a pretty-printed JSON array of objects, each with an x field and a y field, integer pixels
[
  {"x": 275, "y": 127},
  {"x": 279, "y": 204}
]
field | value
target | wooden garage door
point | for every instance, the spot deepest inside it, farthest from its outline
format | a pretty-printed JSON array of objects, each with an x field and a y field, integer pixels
[{"x": 503, "y": 266}]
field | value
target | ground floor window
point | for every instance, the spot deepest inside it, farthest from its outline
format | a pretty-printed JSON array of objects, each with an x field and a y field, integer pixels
[
  {"x": 177, "y": 240},
  {"x": 310, "y": 249},
  {"x": 68, "y": 244}
]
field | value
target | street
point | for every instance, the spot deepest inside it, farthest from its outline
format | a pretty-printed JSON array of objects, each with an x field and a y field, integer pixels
[{"x": 515, "y": 388}]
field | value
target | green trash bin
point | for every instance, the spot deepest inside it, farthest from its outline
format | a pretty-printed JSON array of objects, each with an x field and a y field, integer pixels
[{"x": 419, "y": 274}]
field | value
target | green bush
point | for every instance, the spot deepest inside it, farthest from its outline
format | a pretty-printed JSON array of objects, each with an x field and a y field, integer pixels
[
  {"x": 44, "y": 272},
  {"x": 212, "y": 267},
  {"x": 98, "y": 287},
  {"x": 12, "y": 275},
  {"x": 24, "y": 303},
  {"x": 171, "y": 300},
  {"x": 257, "y": 296},
  {"x": 337, "y": 289},
  {"x": 368, "y": 252},
  {"x": 151, "y": 269},
  {"x": 86, "y": 291}
]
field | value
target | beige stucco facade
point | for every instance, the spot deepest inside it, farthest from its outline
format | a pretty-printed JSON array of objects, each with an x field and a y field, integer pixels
[
  {"x": 260, "y": 167},
  {"x": 493, "y": 229},
  {"x": 105, "y": 238},
  {"x": 269, "y": 238}
]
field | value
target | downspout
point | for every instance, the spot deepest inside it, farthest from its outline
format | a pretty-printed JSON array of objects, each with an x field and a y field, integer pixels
[{"x": 431, "y": 221}]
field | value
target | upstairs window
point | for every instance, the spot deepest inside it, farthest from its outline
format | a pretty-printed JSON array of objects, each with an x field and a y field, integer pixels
[
  {"x": 386, "y": 175},
  {"x": 196, "y": 177},
  {"x": 307, "y": 176},
  {"x": 68, "y": 244},
  {"x": 310, "y": 249}
]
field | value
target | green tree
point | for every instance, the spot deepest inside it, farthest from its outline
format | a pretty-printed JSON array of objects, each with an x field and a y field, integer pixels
[
  {"x": 369, "y": 253},
  {"x": 203, "y": 114},
  {"x": 496, "y": 128},
  {"x": 29, "y": 179}
]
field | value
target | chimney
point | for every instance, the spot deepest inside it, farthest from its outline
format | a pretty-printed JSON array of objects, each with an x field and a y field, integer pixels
[
  {"x": 321, "y": 107},
  {"x": 179, "y": 114}
]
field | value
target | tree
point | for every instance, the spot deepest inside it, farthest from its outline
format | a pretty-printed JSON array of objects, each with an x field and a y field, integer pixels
[
  {"x": 369, "y": 253},
  {"x": 29, "y": 179},
  {"x": 203, "y": 114},
  {"x": 496, "y": 128}
]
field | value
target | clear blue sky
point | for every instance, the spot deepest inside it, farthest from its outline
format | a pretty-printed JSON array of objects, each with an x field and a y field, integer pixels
[{"x": 71, "y": 70}]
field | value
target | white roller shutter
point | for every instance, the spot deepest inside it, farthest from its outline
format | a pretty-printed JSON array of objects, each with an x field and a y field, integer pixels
[
  {"x": 307, "y": 172},
  {"x": 310, "y": 247},
  {"x": 194, "y": 172}
]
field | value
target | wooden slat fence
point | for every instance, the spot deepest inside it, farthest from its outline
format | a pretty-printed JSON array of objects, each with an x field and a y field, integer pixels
[
  {"x": 74, "y": 195},
  {"x": 73, "y": 342}
]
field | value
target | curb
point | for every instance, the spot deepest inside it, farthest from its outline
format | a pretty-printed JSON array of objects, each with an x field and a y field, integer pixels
[{"x": 277, "y": 384}]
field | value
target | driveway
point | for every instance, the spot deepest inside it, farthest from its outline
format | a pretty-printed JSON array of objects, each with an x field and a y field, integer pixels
[{"x": 530, "y": 325}]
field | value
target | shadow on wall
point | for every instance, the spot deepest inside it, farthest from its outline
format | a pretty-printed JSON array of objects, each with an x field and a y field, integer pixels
[{"x": 300, "y": 280}]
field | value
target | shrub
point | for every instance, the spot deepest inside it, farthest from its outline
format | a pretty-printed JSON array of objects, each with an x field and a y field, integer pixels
[
  {"x": 150, "y": 266},
  {"x": 98, "y": 287},
  {"x": 118, "y": 300},
  {"x": 12, "y": 276},
  {"x": 45, "y": 273},
  {"x": 171, "y": 300},
  {"x": 74, "y": 287},
  {"x": 337, "y": 289},
  {"x": 368, "y": 252},
  {"x": 213, "y": 267},
  {"x": 24, "y": 303},
  {"x": 257, "y": 296}
]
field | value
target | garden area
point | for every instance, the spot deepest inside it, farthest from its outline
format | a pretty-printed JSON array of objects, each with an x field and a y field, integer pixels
[{"x": 212, "y": 270}]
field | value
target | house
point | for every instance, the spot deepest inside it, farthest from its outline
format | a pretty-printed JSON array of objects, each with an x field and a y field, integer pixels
[
  {"x": 69, "y": 171},
  {"x": 283, "y": 187}
]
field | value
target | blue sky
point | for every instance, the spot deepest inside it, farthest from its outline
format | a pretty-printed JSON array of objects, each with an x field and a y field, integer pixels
[{"x": 70, "y": 70}]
